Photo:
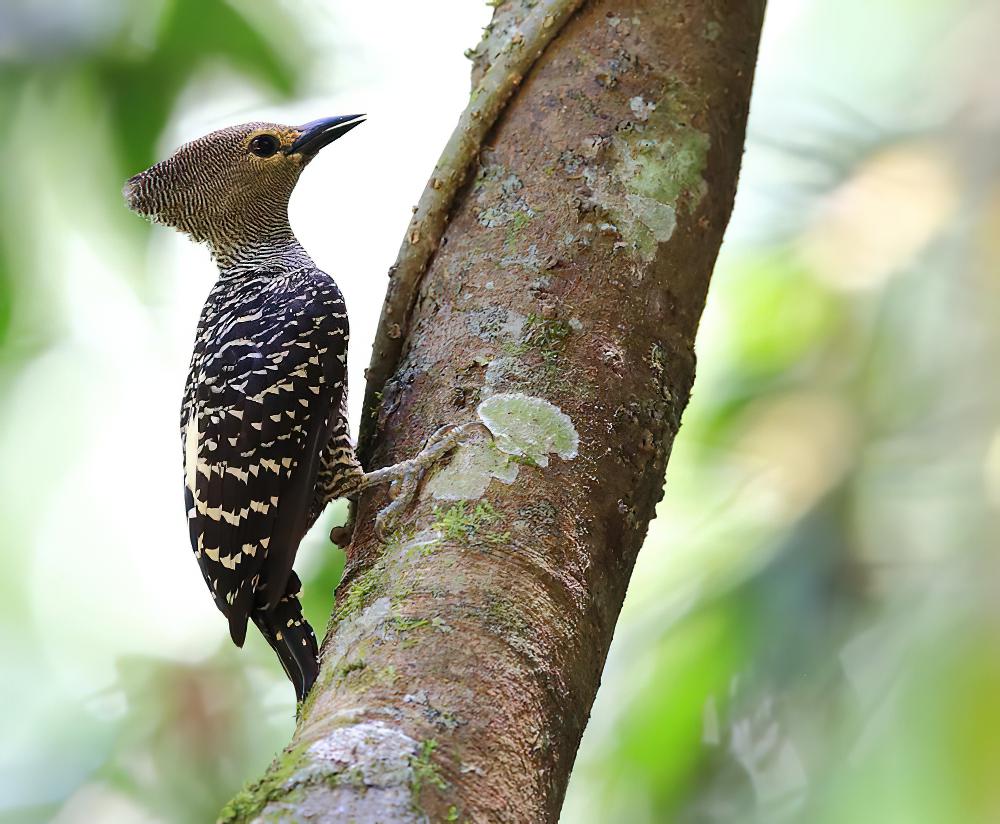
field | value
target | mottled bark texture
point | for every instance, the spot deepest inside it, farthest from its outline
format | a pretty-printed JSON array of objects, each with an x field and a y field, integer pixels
[{"x": 560, "y": 308}]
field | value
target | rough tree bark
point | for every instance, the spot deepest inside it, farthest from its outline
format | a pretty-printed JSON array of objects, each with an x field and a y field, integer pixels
[{"x": 559, "y": 307}]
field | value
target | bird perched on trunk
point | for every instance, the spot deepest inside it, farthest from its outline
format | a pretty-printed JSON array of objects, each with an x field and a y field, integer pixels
[{"x": 263, "y": 420}]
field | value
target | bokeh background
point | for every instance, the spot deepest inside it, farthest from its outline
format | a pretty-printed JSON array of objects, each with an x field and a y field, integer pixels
[{"x": 813, "y": 629}]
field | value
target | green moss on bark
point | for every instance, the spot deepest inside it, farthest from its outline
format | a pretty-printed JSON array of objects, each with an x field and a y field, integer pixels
[
  {"x": 362, "y": 592},
  {"x": 248, "y": 802}
]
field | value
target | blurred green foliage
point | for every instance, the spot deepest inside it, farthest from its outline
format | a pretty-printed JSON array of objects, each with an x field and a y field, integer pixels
[
  {"x": 114, "y": 72},
  {"x": 97, "y": 83},
  {"x": 811, "y": 634},
  {"x": 142, "y": 89}
]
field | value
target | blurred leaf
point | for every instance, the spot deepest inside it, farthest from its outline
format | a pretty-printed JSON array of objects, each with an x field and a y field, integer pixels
[
  {"x": 318, "y": 595},
  {"x": 143, "y": 90},
  {"x": 6, "y": 295},
  {"x": 661, "y": 739},
  {"x": 777, "y": 325},
  {"x": 779, "y": 317},
  {"x": 191, "y": 734}
]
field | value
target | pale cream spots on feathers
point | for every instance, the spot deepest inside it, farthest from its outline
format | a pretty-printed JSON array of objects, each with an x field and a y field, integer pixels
[
  {"x": 240, "y": 474},
  {"x": 191, "y": 453},
  {"x": 267, "y": 376},
  {"x": 230, "y": 561}
]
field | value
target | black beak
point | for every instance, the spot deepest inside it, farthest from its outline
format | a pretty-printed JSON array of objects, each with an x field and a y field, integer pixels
[{"x": 319, "y": 133}]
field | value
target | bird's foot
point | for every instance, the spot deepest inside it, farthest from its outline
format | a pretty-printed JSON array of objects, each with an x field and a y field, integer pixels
[
  {"x": 342, "y": 535},
  {"x": 404, "y": 477}
]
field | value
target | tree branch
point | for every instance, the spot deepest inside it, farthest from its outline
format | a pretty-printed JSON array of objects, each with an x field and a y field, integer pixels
[
  {"x": 559, "y": 308},
  {"x": 526, "y": 41}
]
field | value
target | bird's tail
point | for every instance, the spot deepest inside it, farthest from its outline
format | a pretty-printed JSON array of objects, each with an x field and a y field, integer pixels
[{"x": 291, "y": 637}]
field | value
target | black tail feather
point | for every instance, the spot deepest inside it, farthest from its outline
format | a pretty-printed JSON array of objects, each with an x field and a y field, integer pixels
[{"x": 291, "y": 637}]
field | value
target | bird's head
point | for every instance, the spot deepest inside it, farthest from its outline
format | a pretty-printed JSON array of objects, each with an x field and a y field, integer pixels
[{"x": 232, "y": 186}]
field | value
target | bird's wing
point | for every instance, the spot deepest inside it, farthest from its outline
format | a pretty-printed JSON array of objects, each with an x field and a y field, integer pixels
[{"x": 262, "y": 408}]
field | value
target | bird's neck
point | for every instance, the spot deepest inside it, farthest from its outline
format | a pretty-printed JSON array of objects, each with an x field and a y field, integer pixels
[{"x": 278, "y": 252}]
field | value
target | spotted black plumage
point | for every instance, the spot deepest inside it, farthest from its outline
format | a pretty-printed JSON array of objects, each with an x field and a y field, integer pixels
[
  {"x": 263, "y": 424},
  {"x": 263, "y": 421},
  {"x": 262, "y": 412}
]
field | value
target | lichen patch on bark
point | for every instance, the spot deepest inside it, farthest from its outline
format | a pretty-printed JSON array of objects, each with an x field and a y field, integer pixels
[
  {"x": 529, "y": 427},
  {"x": 469, "y": 472},
  {"x": 657, "y": 161},
  {"x": 363, "y": 772},
  {"x": 523, "y": 427}
]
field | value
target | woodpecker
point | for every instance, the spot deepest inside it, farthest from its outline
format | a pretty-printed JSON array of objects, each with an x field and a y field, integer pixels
[{"x": 264, "y": 427}]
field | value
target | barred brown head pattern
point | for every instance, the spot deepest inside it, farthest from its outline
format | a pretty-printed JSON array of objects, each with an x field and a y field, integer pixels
[{"x": 219, "y": 191}]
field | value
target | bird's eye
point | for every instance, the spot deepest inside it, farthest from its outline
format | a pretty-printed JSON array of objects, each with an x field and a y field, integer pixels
[{"x": 264, "y": 145}]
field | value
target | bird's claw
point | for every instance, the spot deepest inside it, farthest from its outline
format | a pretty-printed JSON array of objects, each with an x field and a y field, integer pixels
[
  {"x": 403, "y": 486},
  {"x": 342, "y": 535}
]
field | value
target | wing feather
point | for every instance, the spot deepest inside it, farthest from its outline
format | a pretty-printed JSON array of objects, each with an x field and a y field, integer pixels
[{"x": 258, "y": 420}]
